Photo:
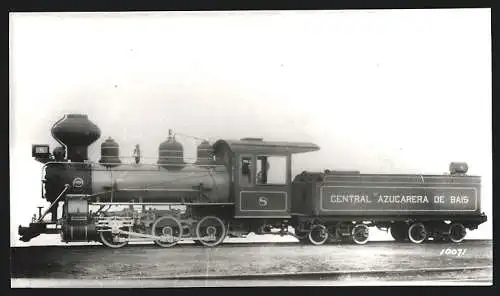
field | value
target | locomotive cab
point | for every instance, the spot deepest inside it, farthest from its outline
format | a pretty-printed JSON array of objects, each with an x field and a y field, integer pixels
[{"x": 260, "y": 174}]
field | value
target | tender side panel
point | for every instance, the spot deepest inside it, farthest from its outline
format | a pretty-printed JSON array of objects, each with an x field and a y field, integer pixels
[
  {"x": 441, "y": 195},
  {"x": 386, "y": 199}
]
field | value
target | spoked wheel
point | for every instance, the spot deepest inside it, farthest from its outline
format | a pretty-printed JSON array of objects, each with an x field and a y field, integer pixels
[
  {"x": 210, "y": 231},
  {"x": 399, "y": 231},
  {"x": 111, "y": 238},
  {"x": 318, "y": 235},
  {"x": 360, "y": 234},
  {"x": 169, "y": 229},
  {"x": 457, "y": 232},
  {"x": 417, "y": 233}
]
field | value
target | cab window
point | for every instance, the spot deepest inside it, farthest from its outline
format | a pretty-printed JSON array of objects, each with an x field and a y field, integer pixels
[
  {"x": 271, "y": 170},
  {"x": 246, "y": 170}
]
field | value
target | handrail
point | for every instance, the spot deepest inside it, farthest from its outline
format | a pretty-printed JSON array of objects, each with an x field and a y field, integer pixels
[
  {"x": 132, "y": 164},
  {"x": 66, "y": 187},
  {"x": 159, "y": 203}
]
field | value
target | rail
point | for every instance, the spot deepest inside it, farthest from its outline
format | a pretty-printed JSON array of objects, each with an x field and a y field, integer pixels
[{"x": 312, "y": 274}]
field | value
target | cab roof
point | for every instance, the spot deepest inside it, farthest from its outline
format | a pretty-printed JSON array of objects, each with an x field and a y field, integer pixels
[{"x": 258, "y": 145}]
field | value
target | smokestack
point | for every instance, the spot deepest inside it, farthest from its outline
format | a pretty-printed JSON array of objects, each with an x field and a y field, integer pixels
[{"x": 76, "y": 132}]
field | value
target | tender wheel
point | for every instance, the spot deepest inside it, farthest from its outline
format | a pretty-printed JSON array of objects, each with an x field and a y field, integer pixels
[
  {"x": 399, "y": 231},
  {"x": 210, "y": 231},
  {"x": 457, "y": 232},
  {"x": 360, "y": 234},
  {"x": 417, "y": 233},
  {"x": 318, "y": 235},
  {"x": 110, "y": 238},
  {"x": 169, "y": 229}
]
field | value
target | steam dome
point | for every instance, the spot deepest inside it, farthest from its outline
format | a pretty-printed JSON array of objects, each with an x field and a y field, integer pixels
[{"x": 171, "y": 153}]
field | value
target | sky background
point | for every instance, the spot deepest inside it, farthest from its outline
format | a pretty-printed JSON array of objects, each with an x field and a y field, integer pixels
[{"x": 380, "y": 91}]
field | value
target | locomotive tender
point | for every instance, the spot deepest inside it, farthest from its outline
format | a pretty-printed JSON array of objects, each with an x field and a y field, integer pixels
[{"x": 234, "y": 188}]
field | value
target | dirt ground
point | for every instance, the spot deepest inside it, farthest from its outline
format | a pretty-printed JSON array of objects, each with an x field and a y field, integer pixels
[{"x": 148, "y": 261}]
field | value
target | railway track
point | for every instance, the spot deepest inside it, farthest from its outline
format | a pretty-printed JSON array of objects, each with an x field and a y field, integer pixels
[
  {"x": 265, "y": 263},
  {"x": 252, "y": 242},
  {"x": 477, "y": 275},
  {"x": 322, "y": 274}
]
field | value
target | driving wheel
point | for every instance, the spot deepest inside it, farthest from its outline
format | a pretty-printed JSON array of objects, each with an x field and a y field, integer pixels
[
  {"x": 169, "y": 229},
  {"x": 210, "y": 231}
]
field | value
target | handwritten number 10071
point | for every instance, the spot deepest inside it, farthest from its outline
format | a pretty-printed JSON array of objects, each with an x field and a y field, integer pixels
[{"x": 453, "y": 252}]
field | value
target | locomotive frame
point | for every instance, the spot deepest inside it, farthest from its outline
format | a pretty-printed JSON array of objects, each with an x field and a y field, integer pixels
[{"x": 254, "y": 203}]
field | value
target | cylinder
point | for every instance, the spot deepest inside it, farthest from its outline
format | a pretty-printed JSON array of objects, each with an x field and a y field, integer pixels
[
  {"x": 110, "y": 153},
  {"x": 78, "y": 233}
]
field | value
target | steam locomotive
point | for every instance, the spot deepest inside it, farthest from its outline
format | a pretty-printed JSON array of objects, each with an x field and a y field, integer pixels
[{"x": 234, "y": 188}]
